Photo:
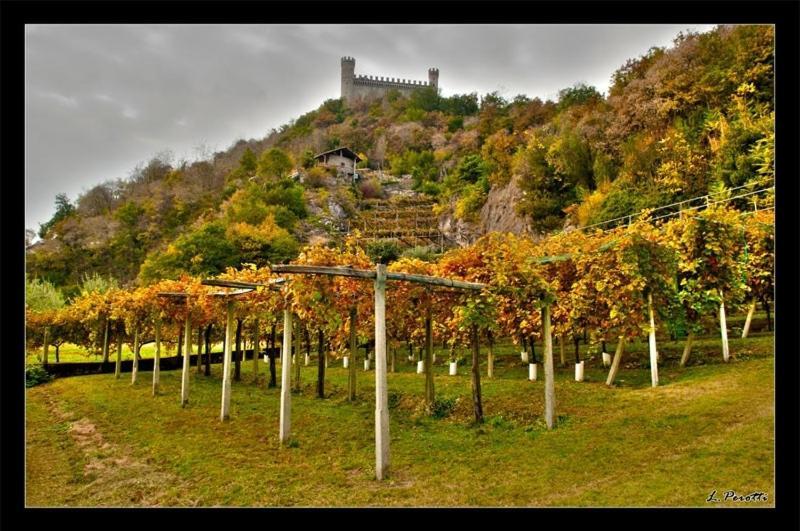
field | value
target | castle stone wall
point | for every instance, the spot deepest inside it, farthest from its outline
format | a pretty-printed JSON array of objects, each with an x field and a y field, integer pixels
[{"x": 361, "y": 87}]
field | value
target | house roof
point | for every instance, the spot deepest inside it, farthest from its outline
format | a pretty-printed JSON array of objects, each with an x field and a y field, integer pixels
[{"x": 343, "y": 151}]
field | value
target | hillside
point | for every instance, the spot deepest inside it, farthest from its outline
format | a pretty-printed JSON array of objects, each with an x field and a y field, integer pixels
[{"x": 439, "y": 171}]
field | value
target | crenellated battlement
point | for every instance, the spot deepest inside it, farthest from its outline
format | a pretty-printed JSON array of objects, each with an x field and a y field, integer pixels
[
  {"x": 368, "y": 86},
  {"x": 388, "y": 82}
]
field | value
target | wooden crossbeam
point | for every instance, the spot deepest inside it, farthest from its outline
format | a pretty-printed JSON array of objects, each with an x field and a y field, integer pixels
[
  {"x": 182, "y": 295},
  {"x": 368, "y": 274},
  {"x": 239, "y": 284}
]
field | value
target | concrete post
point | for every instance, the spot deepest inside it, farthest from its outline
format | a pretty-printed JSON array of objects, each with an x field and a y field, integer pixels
[
  {"x": 225, "y": 409},
  {"x": 286, "y": 378},
  {"x": 187, "y": 352},
  {"x": 381, "y": 392},
  {"x": 652, "y": 341},
  {"x": 549, "y": 376}
]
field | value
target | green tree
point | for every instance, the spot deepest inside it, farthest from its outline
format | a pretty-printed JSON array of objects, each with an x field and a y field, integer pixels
[
  {"x": 64, "y": 209},
  {"x": 274, "y": 163},
  {"x": 41, "y": 295},
  {"x": 96, "y": 283},
  {"x": 205, "y": 251}
]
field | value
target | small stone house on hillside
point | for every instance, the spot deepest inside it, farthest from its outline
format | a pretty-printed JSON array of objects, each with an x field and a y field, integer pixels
[{"x": 343, "y": 159}]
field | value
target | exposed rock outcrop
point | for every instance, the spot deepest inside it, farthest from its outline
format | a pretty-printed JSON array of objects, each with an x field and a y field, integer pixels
[{"x": 499, "y": 212}]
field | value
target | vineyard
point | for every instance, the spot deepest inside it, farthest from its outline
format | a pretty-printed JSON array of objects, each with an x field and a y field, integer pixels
[
  {"x": 677, "y": 276},
  {"x": 408, "y": 219}
]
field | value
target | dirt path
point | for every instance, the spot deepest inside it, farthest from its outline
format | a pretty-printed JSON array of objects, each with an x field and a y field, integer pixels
[{"x": 112, "y": 475}]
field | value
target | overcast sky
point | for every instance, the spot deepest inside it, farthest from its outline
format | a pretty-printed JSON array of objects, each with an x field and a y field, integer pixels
[{"x": 102, "y": 98}]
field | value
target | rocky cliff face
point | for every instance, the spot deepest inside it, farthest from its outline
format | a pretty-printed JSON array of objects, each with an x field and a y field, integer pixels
[{"x": 497, "y": 215}]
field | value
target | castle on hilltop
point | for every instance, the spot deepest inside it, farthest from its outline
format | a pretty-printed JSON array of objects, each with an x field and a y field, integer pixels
[{"x": 372, "y": 87}]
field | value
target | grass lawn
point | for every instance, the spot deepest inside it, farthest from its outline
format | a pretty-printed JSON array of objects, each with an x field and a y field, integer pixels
[{"x": 97, "y": 441}]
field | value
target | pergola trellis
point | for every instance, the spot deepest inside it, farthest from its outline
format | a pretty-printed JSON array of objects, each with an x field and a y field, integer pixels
[
  {"x": 380, "y": 276},
  {"x": 187, "y": 351}
]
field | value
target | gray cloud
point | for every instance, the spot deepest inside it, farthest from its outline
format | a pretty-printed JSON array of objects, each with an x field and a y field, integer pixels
[{"x": 102, "y": 98}]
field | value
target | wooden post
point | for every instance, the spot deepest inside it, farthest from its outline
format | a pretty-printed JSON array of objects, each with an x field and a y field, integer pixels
[
  {"x": 723, "y": 328},
  {"x": 135, "y": 366},
  {"x": 298, "y": 346},
  {"x": 612, "y": 372},
  {"x": 429, "y": 391},
  {"x": 490, "y": 361},
  {"x": 286, "y": 378},
  {"x": 351, "y": 366},
  {"x": 118, "y": 367},
  {"x": 687, "y": 349},
  {"x": 199, "y": 350},
  {"x": 105, "y": 341},
  {"x": 208, "y": 350},
  {"x": 187, "y": 352},
  {"x": 746, "y": 329},
  {"x": 561, "y": 349},
  {"x": 157, "y": 359},
  {"x": 321, "y": 362},
  {"x": 549, "y": 377},
  {"x": 652, "y": 341},
  {"x": 272, "y": 355},
  {"x": 237, "y": 358},
  {"x": 46, "y": 346},
  {"x": 381, "y": 392},
  {"x": 225, "y": 409},
  {"x": 476, "y": 376},
  {"x": 256, "y": 349}
]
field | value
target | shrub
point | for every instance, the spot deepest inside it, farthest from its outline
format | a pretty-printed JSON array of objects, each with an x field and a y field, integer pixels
[
  {"x": 442, "y": 407},
  {"x": 317, "y": 177},
  {"x": 370, "y": 189},
  {"x": 35, "y": 375},
  {"x": 430, "y": 188},
  {"x": 383, "y": 251},
  {"x": 426, "y": 253}
]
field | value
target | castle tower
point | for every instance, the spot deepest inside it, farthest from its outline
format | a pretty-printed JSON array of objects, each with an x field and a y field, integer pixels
[
  {"x": 348, "y": 72},
  {"x": 433, "y": 77}
]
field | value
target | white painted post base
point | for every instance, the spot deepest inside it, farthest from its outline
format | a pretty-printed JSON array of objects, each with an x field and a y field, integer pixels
[
  {"x": 579, "y": 371},
  {"x": 366, "y": 364},
  {"x": 420, "y": 366},
  {"x": 533, "y": 371},
  {"x": 187, "y": 353},
  {"x": 523, "y": 356},
  {"x": 723, "y": 328},
  {"x": 606, "y": 359},
  {"x": 453, "y": 368},
  {"x": 746, "y": 329},
  {"x": 652, "y": 341},
  {"x": 307, "y": 360},
  {"x": 345, "y": 361},
  {"x": 266, "y": 358},
  {"x": 434, "y": 358}
]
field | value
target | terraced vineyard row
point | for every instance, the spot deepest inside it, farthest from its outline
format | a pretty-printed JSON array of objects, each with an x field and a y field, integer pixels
[{"x": 409, "y": 220}]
